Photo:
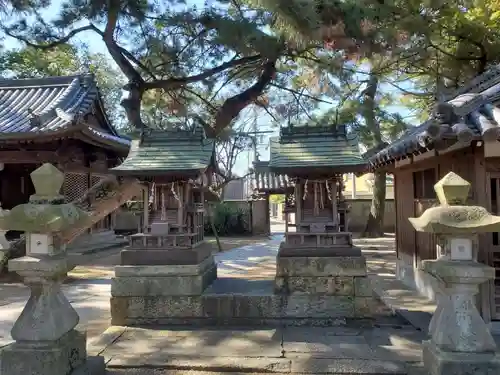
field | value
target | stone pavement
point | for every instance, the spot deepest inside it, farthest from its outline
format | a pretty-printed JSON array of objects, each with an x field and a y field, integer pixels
[
  {"x": 390, "y": 347},
  {"x": 346, "y": 350},
  {"x": 90, "y": 297}
]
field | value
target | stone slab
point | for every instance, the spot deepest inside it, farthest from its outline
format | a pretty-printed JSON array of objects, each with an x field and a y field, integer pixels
[
  {"x": 97, "y": 346},
  {"x": 347, "y": 366},
  {"x": 160, "y": 344},
  {"x": 318, "y": 306},
  {"x": 162, "y": 285},
  {"x": 320, "y": 266},
  {"x": 145, "y": 257},
  {"x": 325, "y": 343},
  {"x": 438, "y": 362},
  {"x": 151, "y": 310},
  {"x": 165, "y": 270},
  {"x": 329, "y": 285},
  {"x": 56, "y": 358},
  {"x": 333, "y": 251},
  {"x": 230, "y": 365}
]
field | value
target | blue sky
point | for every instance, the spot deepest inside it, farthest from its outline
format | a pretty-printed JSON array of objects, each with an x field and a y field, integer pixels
[{"x": 96, "y": 45}]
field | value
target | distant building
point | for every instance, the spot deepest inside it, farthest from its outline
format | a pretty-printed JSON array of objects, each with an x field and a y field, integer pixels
[
  {"x": 236, "y": 190},
  {"x": 362, "y": 187}
]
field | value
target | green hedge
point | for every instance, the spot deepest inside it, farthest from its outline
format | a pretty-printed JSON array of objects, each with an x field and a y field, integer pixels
[{"x": 229, "y": 220}]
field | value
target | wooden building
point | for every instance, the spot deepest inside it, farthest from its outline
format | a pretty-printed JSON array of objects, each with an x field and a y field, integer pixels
[
  {"x": 176, "y": 167},
  {"x": 462, "y": 136},
  {"x": 59, "y": 120},
  {"x": 315, "y": 159}
]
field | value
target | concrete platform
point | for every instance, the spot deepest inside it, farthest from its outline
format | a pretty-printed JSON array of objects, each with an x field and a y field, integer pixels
[{"x": 335, "y": 350}]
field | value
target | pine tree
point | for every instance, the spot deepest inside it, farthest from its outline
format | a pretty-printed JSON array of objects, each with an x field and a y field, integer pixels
[{"x": 166, "y": 48}]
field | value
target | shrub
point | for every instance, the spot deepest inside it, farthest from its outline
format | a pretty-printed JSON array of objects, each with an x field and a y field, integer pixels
[{"x": 229, "y": 220}]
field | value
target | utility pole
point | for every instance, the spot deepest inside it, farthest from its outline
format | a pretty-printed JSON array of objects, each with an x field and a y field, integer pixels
[{"x": 254, "y": 128}]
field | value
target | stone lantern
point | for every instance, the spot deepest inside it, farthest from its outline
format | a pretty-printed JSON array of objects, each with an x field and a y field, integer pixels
[
  {"x": 46, "y": 342},
  {"x": 461, "y": 342}
]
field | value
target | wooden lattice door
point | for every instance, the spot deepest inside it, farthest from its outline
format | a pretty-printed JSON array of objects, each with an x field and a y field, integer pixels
[
  {"x": 75, "y": 185},
  {"x": 106, "y": 222},
  {"x": 494, "y": 256}
]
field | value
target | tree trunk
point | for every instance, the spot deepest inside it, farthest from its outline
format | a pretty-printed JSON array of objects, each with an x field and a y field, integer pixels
[{"x": 375, "y": 223}]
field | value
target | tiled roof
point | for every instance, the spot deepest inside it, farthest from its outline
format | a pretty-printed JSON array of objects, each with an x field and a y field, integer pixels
[
  {"x": 264, "y": 180},
  {"x": 316, "y": 146},
  {"x": 42, "y": 106},
  {"x": 471, "y": 113},
  {"x": 163, "y": 151}
]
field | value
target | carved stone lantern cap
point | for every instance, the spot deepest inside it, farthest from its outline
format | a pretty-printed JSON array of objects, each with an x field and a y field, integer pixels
[
  {"x": 452, "y": 216},
  {"x": 47, "y": 181},
  {"x": 46, "y": 211},
  {"x": 452, "y": 190}
]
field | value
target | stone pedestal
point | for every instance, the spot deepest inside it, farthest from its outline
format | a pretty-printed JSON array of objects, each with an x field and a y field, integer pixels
[
  {"x": 327, "y": 276},
  {"x": 152, "y": 275},
  {"x": 461, "y": 342},
  {"x": 440, "y": 362},
  {"x": 61, "y": 356},
  {"x": 46, "y": 342}
]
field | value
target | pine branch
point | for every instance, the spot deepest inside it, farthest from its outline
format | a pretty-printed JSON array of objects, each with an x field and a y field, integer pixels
[
  {"x": 53, "y": 44},
  {"x": 235, "y": 104},
  {"x": 300, "y": 94},
  {"x": 178, "y": 82}
]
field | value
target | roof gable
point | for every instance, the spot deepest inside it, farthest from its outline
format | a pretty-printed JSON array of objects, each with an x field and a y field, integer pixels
[
  {"x": 315, "y": 147},
  {"x": 48, "y": 104},
  {"x": 161, "y": 152}
]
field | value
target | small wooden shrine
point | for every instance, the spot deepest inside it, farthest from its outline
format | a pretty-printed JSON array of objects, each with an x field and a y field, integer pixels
[
  {"x": 175, "y": 168},
  {"x": 319, "y": 252},
  {"x": 316, "y": 158}
]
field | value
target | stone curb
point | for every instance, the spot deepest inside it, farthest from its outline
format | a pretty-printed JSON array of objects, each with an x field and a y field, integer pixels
[
  {"x": 221, "y": 364},
  {"x": 263, "y": 365}
]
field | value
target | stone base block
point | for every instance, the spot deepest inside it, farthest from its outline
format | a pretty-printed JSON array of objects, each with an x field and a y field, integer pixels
[
  {"x": 330, "y": 285},
  {"x": 146, "y": 257},
  {"x": 166, "y": 270},
  {"x": 153, "y": 310},
  {"x": 439, "y": 362},
  {"x": 320, "y": 266},
  {"x": 60, "y": 357},
  {"x": 286, "y": 250},
  {"x": 163, "y": 285},
  {"x": 234, "y": 309}
]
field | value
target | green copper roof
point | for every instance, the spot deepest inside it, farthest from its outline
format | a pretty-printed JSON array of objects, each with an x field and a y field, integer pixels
[
  {"x": 316, "y": 147},
  {"x": 163, "y": 151}
]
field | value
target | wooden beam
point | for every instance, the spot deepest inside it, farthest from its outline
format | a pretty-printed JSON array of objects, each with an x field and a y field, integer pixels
[
  {"x": 424, "y": 156},
  {"x": 26, "y": 157}
]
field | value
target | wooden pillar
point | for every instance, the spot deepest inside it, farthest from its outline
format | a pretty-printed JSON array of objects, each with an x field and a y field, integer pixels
[
  {"x": 200, "y": 218},
  {"x": 335, "y": 212},
  {"x": 163, "y": 203},
  {"x": 298, "y": 203},
  {"x": 285, "y": 212},
  {"x": 187, "y": 202},
  {"x": 145, "y": 200},
  {"x": 180, "y": 213}
]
